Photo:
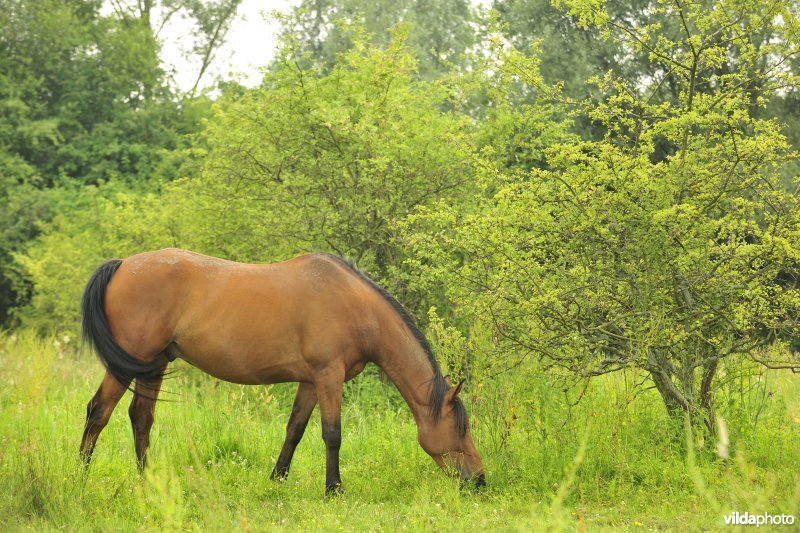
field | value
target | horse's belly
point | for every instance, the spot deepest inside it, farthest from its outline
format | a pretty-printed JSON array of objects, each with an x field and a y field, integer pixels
[{"x": 245, "y": 366}]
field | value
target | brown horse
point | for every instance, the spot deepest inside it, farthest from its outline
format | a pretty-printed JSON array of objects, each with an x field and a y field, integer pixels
[{"x": 314, "y": 319}]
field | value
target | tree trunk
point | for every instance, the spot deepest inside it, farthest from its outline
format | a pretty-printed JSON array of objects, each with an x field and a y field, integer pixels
[
  {"x": 675, "y": 402},
  {"x": 680, "y": 403},
  {"x": 706, "y": 396}
]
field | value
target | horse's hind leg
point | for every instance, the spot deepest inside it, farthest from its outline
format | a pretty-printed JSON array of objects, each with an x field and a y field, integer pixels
[
  {"x": 98, "y": 411},
  {"x": 304, "y": 402},
  {"x": 142, "y": 412}
]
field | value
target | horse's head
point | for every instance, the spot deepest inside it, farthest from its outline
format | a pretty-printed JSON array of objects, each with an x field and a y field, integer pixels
[{"x": 447, "y": 439}]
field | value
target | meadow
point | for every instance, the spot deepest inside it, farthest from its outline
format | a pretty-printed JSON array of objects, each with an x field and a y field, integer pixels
[{"x": 610, "y": 462}]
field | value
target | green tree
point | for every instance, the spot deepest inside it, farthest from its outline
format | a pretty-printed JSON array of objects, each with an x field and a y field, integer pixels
[
  {"x": 571, "y": 53},
  {"x": 441, "y": 30},
  {"x": 331, "y": 161},
  {"x": 568, "y": 53},
  {"x": 659, "y": 247}
]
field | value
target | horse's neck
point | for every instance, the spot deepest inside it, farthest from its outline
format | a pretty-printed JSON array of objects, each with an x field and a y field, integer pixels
[{"x": 406, "y": 364}]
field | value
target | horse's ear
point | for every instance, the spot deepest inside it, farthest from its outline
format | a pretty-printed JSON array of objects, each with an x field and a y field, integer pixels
[
  {"x": 448, "y": 381},
  {"x": 458, "y": 389}
]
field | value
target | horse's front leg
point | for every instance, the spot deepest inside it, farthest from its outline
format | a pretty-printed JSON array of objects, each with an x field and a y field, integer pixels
[
  {"x": 304, "y": 402},
  {"x": 329, "y": 393}
]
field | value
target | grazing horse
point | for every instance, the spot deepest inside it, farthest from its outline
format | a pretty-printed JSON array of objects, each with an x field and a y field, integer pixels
[{"x": 314, "y": 319}]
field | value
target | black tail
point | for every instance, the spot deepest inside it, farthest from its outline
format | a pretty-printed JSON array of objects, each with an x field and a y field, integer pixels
[{"x": 119, "y": 363}]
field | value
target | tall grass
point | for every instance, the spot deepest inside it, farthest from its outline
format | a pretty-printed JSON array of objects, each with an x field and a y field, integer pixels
[{"x": 610, "y": 462}]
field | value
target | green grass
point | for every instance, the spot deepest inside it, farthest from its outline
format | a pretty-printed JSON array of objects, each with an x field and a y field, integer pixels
[{"x": 215, "y": 444}]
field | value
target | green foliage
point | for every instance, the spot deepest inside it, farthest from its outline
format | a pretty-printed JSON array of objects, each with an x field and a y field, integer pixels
[
  {"x": 332, "y": 161},
  {"x": 573, "y": 49},
  {"x": 570, "y": 54},
  {"x": 521, "y": 116},
  {"x": 440, "y": 37},
  {"x": 70, "y": 77},
  {"x": 105, "y": 223}
]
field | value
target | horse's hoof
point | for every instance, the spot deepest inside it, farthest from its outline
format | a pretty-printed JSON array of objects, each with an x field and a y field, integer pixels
[
  {"x": 334, "y": 490},
  {"x": 279, "y": 474}
]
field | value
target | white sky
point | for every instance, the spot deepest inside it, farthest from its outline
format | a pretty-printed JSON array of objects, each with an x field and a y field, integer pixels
[{"x": 250, "y": 45}]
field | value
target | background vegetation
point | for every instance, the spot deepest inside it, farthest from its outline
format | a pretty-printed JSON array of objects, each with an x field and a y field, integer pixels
[{"x": 591, "y": 206}]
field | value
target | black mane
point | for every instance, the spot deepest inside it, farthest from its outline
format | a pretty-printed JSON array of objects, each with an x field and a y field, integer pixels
[{"x": 439, "y": 386}]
